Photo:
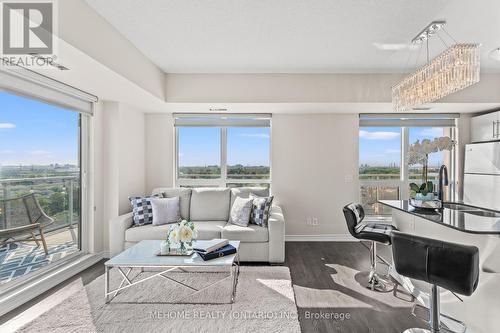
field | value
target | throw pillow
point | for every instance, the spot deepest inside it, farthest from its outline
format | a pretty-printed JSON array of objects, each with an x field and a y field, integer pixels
[
  {"x": 240, "y": 212},
  {"x": 142, "y": 211},
  {"x": 166, "y": 210},
  {"x": 261, "y": 210}
]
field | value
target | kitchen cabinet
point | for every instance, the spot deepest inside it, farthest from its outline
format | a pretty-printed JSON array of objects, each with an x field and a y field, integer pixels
[{"x": 485, "y": 127}]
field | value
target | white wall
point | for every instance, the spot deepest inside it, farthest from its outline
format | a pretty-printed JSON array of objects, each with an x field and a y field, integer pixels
[
  {"x": 159, "y": 151},
  {"x": 308, "y": 88},
  {"x": 312, "y": 155},
  {"x": 119, "y": 164},
  {"x": 86, "y": 30},
  {"x": 132, "y": 155}
]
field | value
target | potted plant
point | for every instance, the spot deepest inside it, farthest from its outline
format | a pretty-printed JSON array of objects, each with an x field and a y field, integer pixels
[{"x": 419, "y": 154}]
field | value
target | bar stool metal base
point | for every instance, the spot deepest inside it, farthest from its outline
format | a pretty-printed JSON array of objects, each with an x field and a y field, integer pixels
[
  {"x": 423, "y": 330},
  {"x": 447, "y": 323},
  {"x": 371, "y": 279},
  {"x": 375, "y": 282},
  {"x": 438, "y": 323}
]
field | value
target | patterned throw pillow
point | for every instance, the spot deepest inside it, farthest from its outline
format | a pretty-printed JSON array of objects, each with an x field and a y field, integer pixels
[
  {"x": 260, "y": 210},
  {"x": 142, "y": 210},
  {"x": 240, "y": 212}
]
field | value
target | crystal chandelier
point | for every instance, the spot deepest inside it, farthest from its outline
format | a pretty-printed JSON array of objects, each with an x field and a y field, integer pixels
[{"x": 454, "y": 69}]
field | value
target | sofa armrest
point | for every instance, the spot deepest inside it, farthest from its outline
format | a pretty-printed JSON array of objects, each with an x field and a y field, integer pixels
[
  {"x": 117, "y": 228},
  {"x": 276, "y": 225}
]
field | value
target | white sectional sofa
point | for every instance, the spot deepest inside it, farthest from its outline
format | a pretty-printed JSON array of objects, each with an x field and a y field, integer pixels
[{"x": 209, "y": 209}]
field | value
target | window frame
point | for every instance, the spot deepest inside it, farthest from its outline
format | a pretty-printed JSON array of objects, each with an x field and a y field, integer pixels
[{"x": 223, "y": 181}]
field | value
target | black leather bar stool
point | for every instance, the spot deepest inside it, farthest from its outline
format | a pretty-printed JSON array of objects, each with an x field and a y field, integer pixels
[
  {"x": 454, "y": 267},
  {"x": 375, "y": 233}
]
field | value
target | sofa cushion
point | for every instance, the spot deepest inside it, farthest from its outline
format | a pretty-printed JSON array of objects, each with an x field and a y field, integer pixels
[
  {"x": 149, "y": 231},
  {"x": 244, "y": 192},
  {"x": 184, "y": 195},
  {"x": 209, "y": 204},
  {"x": 248, "y": 234},
  {"x": 205, "y": 229}
]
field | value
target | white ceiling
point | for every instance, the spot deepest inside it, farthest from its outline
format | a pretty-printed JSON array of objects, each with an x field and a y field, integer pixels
[{"x": 296, "y": 36}]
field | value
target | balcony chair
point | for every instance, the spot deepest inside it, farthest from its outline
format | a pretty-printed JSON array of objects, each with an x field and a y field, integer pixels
[
  {"x": 375, "y": 233},
  {"x": 442, "y": 264},
  {"x": 21, "y": 218}
]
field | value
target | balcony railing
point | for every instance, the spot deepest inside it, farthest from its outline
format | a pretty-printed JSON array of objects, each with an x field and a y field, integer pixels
[{"x": 59, "y": 197}]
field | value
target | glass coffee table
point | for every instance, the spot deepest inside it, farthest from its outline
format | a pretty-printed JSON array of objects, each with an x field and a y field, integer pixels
[{"x": 142, "y": 256}]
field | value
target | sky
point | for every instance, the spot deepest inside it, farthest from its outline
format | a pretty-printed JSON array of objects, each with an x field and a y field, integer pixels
[
  {"x": 33, "y": 132},
  {"x": 381, "y": 146},
  {"x": 245, "y": 145}
]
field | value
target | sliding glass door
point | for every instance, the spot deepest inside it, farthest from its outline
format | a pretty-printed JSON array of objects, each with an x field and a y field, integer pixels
[{"x": 40, "y": 186}]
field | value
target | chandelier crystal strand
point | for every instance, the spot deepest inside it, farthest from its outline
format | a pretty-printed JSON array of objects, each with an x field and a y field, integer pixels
[{"x": 456, "y": 68}]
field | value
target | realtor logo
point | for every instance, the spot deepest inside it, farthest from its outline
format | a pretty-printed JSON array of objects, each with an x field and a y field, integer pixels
[{"x": 28, "y": 32}]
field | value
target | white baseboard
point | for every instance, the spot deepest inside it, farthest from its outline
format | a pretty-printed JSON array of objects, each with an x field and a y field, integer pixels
[
  {"x": 321, "y": 238},
  {"x": 31, "y": 289}
]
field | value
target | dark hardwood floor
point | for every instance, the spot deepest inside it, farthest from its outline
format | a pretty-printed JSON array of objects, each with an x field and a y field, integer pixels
[{"x": 329, "y": 298}]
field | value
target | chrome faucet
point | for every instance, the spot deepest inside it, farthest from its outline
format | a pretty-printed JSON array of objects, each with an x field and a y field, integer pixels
[{"x": 443, "y": 180}]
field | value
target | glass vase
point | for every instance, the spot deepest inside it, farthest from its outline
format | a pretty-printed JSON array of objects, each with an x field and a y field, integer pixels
[{"x": 185, "y": 247}]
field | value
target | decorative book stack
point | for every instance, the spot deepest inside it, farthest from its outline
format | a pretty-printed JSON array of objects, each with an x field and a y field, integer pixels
[{"x": 215, "y": 248}]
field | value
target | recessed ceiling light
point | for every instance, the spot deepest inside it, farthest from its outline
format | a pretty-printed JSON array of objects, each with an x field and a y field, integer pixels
[
  {"x": 495, "y": 54},
  {"x": 390, "y": 47}
]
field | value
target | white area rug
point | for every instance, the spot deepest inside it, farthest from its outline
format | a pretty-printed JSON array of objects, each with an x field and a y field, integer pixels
[{"x": 264, "y": 303}]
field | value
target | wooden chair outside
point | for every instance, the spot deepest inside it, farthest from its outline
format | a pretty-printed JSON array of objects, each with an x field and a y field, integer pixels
[{"x": 23, "y": 218}]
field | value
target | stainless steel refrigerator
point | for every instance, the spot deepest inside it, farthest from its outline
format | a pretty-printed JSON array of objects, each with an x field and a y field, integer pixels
[{"x": 482, "y": 175}]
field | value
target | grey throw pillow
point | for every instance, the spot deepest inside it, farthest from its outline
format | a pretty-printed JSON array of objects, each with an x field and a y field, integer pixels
[
  {"x": 261, "y": 209},
  {"x": 165, "y": 210},
  {"x": 240, "y": 212}
]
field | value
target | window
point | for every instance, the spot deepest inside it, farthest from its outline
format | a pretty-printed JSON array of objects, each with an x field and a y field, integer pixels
[
  {"x": 199, "y": 153},
  {"x": 380, "y": 167},
  {"x": 226, "y": 151},
  {"x": 435, "y": 159},
  {"x": 384, "y": 173},
  {"x": 248, "y": 153}
]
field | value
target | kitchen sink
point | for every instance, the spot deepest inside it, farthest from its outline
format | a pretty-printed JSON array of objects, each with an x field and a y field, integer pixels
[
  {"x": 457, "y": 206},
  {"x": 484, "y": 213},
  {"x": 470, "y": 209}
]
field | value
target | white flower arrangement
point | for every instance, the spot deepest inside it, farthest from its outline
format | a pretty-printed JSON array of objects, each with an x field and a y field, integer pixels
[
  {"x": 182, "y": 233},
  {"x": 419, "y": 151}
]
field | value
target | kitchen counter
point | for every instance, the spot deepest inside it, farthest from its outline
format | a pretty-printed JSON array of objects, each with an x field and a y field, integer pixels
[
  {"x": 454, "y": 224},
  {"x": 465, "y": 221}
]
